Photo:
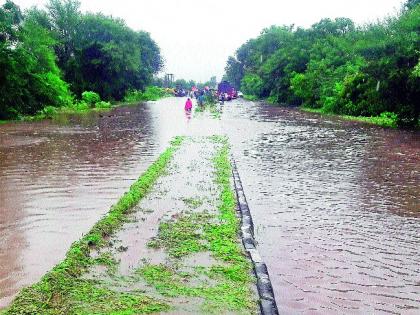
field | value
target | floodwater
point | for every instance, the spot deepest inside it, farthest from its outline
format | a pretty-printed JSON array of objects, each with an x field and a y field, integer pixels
[
  {"x": 335, "y": 207},
  {"x": 335, "y": 204}
]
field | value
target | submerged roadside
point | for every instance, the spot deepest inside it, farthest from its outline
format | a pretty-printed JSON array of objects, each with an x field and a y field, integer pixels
[
  {"x": 91, "y": 102},
  {"x": 170, "y": 244},
  {"x": 386, "y": 119}
]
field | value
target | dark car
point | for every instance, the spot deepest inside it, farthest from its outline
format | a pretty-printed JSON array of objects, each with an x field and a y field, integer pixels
[{"x": 225, "y": 88}]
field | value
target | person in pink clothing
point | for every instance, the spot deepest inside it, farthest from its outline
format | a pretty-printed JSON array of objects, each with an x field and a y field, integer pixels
[{"x": 188, "y": 105}]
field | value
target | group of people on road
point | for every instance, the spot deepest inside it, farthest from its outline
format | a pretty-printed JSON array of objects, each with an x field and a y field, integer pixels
[{"x": 200, "y": 96}]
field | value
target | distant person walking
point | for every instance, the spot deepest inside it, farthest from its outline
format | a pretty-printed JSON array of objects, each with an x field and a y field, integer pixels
[
  {"x": 200, "y": 99},
  {"x": 188, "y": 105}
]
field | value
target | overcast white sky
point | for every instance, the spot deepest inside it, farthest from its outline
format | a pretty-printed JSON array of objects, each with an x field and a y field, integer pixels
[{"x": 196, "y": 37}]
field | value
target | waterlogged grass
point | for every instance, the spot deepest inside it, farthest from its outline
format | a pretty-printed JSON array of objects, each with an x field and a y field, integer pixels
[
  {"x": 226, "y": 294},
  {"x": 388, "y": 120},
  {"x": 208, "y": 107},
  {"x": 223, "y": 237},
  {"x": 193, "y": 202},
  {"x": 107, "y": 259},
  {"x": 223, "y": 286},
  {"x": 182, "y": 236},
  {"x": 64, "y": 291},
  {"x": 230, "y": 280}
]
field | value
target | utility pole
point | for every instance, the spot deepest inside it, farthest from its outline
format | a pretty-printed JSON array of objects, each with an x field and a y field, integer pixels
[{"x": 169, "y": 79}]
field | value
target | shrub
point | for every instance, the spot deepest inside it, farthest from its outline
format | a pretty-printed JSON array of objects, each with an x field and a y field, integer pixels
[
  {"x": 90, "y": 98},
  {"x": 80, "y": 106},
  {"x": 103, "y": 104},
  {"x": 252, "y": 84},
  {"x": 151, "y": 93},
  {"x": 49, "y": 111},
  {"x": 134, "y": 96}
]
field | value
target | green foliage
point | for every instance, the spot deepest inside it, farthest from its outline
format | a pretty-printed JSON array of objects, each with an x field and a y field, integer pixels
[
  {"x": 234, "y": 72},
  {"x": 30, "y": 78},
  {"x": 80, "y": 106},
  {"x": 151, "y": 93},
  {"x": 230, "y": 292},
  {"x": 251, "y": 84},
  {"x": 90, "y": 98},
  {"x": 132, "y": 96},
  {"x": 227, "y": 284},
  {"x": 193, "y": 202},
  {"x": 182, "y": 237},
  {"x": 46, "y": 56},
  {"x": 102, "y": 105},
  {"x": 385, "y": 119},
  {"x": 47, "y": 112},
  {"x": 336, "y": 66},
  {"x": 63, "y": 288},
  {"x": 411, "y": 4},
  {"x": 250, "y": 97},
  {"x": 209, "y": 106}
]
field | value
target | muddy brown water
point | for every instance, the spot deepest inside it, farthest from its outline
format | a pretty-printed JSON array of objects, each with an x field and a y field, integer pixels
[{"x": 335, "y": 204}]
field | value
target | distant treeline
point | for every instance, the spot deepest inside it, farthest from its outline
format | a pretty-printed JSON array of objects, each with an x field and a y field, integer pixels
[
  {"x": 336, "y": 66},
  {"x": 50, "y": 57}
]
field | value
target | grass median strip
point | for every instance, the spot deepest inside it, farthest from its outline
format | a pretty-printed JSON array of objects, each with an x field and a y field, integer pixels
[
  {"x": 64, "y": 291},
  {"x": 176, "y": 249},
  {"x": 225, "y": 284}
]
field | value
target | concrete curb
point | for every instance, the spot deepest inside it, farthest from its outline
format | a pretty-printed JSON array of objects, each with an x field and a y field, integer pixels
[{"x": 267, "y": 301}]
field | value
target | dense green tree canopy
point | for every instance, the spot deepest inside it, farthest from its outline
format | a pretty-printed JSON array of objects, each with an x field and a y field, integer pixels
[
  {"x": 30, "y": 78},
  {"x": 49, "y": 57},
  {"x": 337, "y": 66}
]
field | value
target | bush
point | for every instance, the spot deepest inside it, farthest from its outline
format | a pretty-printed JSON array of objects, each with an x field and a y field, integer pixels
[
  {"x": 80, "y": 106},
  {"x": 90, "y": 98},
  {"x": 151, "y": 93},
  {"x": 103, "y": 104},
  {"x": 252, "y": 84},
  {"x": 48, "y": 112},
  {"x": 132, "y": 96},
  {"x": 250, "y": 97},
  {"x": 209, "y": 99}
]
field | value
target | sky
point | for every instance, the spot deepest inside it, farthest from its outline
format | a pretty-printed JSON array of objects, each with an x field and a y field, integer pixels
[{"x": 196, "y": 37}]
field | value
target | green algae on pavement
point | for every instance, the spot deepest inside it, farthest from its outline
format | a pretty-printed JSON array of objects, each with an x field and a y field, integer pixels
[{"x": 64, "y": 291}]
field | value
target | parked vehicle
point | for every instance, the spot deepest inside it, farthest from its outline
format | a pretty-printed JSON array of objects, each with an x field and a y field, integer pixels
[
  {"x": 227, "y": 89},
  {"x": 180, "y": 92}
]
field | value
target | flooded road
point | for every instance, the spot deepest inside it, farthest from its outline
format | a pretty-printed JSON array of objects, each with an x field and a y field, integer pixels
[
  {"x": 335, "y": 204},
  {"x": 336, "y": 209}
]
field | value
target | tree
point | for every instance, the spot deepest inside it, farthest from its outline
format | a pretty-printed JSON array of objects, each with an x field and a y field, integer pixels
[
  {"x": 150, "y": 60},
  {"x": 411, "y": 4},
  {"x": 65, "y": 19},
  {"x": 251, "y": 84},
  {"x": 107, "y": 58},
  {"x": 30, "y": 78},
  {"x": 234, "y": 72},
  {"x": 337, "y": 66}
]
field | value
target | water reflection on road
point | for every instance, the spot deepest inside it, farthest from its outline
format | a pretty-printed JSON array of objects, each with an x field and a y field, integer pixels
[
  {"x": 336, "y": 209},
  {"x": 335, "y": 204}
]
